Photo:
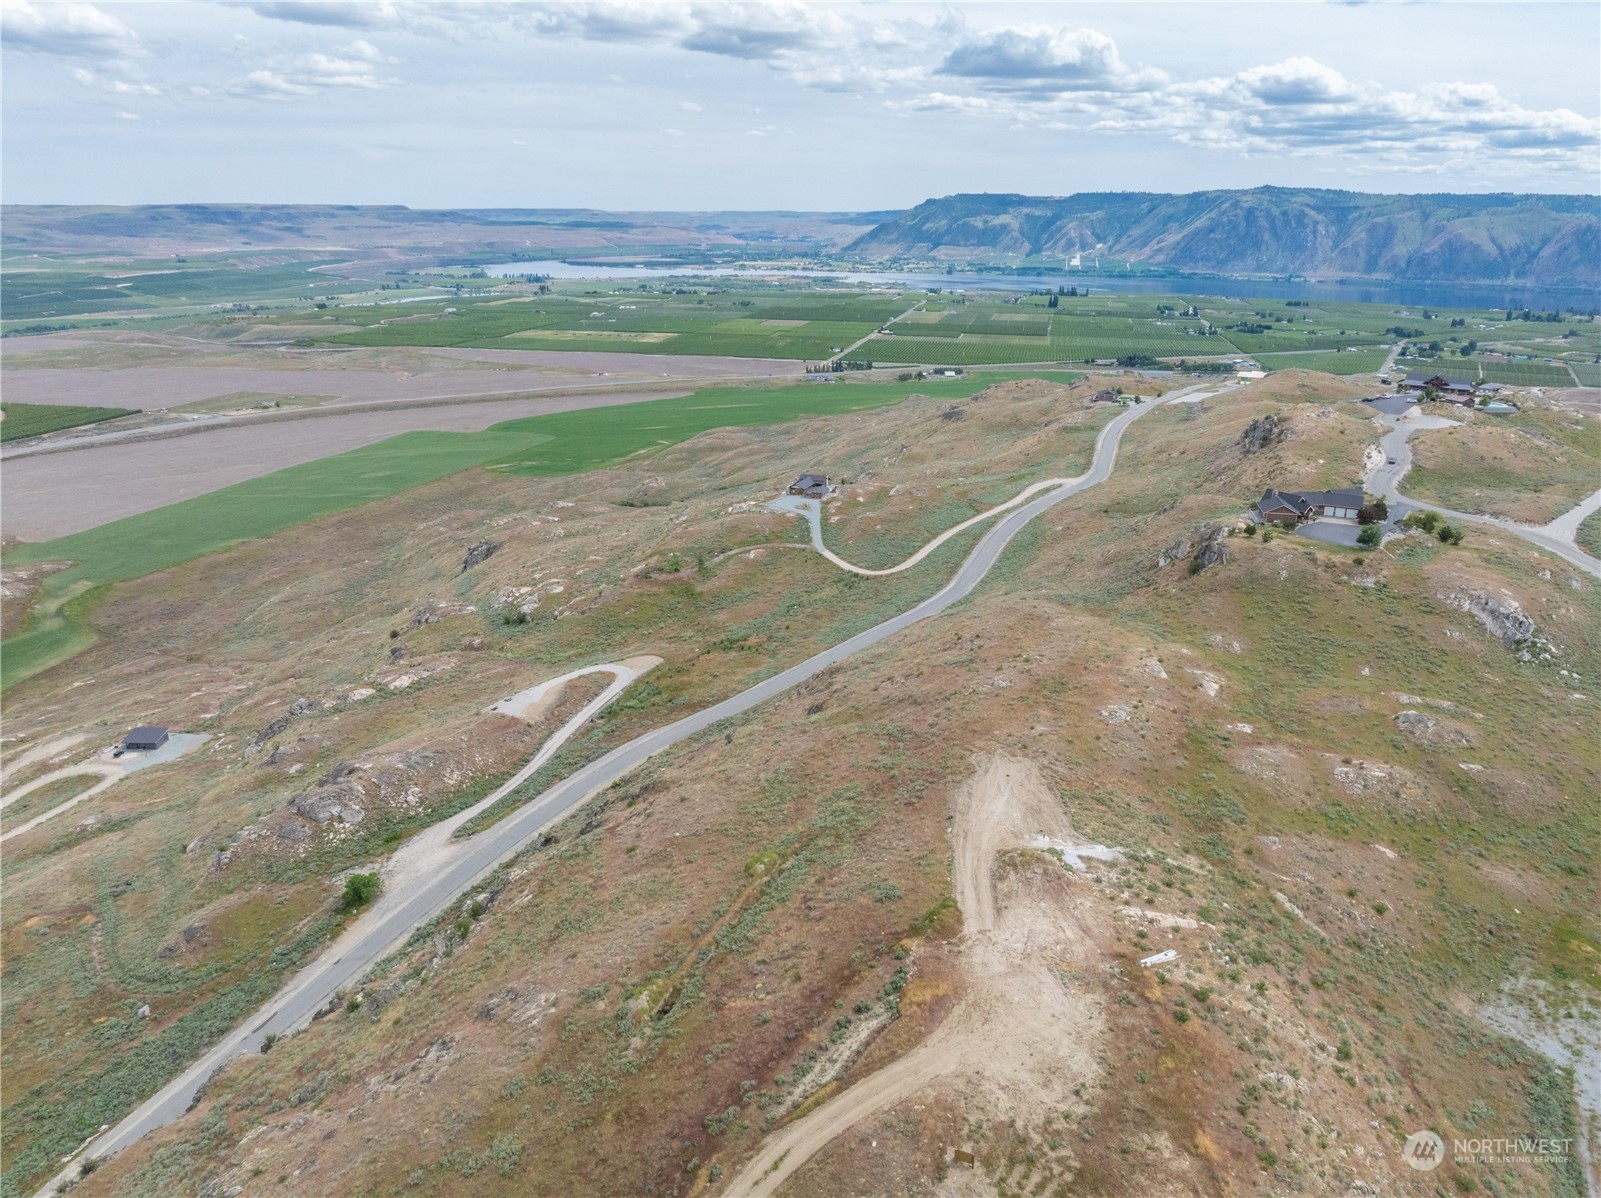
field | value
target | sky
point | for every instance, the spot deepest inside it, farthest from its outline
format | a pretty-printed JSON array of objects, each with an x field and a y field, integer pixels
[{"x": 836, "y": 107}]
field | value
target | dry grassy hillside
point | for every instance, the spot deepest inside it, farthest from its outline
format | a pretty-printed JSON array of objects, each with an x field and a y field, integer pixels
[
  {"x": 1531, "y": 467},
  {"x": 767, "y": 915},
  {"x": 360, "y": 641}
]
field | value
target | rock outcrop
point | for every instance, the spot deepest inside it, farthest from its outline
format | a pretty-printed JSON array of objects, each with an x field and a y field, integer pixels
[
  {"x": 1260, "y": 433},
  {"x": 1505, "y": 620},
  {"x": 478, "y": 553},
  {"x": 436, "y": 610},
  {"x": 329, "y": 802},
  {"x": 1206, "y": 545}
]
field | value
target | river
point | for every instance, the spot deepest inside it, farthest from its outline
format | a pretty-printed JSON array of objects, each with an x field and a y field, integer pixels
[{"x": 1401, "y": 294}]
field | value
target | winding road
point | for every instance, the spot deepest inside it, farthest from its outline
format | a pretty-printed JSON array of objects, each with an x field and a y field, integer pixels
[
  {"x": 385, "y": 929},
  {"x": 812, "y": 511},
  {"x": 1555, "y": 537}
]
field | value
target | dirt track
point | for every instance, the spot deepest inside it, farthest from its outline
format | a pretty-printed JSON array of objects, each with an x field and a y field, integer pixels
[{"x": 1019, "y": 1039}]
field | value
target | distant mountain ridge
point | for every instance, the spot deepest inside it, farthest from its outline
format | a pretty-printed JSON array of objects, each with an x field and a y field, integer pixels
[
  {"x": 201, "y": 227},
  {"x": 1548, "y": 239}
]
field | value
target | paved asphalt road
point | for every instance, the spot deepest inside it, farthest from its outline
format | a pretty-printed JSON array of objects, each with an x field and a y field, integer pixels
[
  {"x": 369, "y": 940},
  {"x": 1386, "y": 479}
]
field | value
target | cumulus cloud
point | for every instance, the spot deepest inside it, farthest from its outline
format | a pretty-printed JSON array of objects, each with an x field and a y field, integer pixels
[
  {"x": 117, "y": 87},
  {"x": 1044, "y": 58},
  {"x": 342, "y": 14},
  {"x": 1300, "y": 106},
  {"x": 624, "y": 22},
  {"x": 264, "y": 84},
  {"x": 1046, "y": 75},
  {"x": 1295, "y": 81},
  {"x": 355, "y": 66},
  {"x": 79, "y": 30}
]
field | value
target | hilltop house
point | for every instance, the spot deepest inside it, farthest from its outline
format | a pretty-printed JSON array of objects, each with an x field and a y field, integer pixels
[
  {"x": 813, "y": 486},
  {"x": 1106, "y": 395},
  {"x": 1291, "y": 507},
  {"x": 1452, "y": 387}
]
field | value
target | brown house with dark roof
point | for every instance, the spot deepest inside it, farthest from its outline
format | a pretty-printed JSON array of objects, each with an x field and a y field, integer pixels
[{"x": 1291, "y": 507}]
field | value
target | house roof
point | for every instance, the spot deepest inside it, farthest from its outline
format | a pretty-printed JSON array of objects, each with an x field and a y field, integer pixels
[
  {"x": 1273, "y": 498},
  {"x": 1303, "y": 502},
  {"x": 812, "y": 480},
  {"x": 1344, "y": 497},
  {"x": 1450, "y": 380},
  {"x": 145, "y": 732}
]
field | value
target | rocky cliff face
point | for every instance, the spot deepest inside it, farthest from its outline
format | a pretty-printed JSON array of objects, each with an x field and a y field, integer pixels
[{"x": 1554, "y": 240}]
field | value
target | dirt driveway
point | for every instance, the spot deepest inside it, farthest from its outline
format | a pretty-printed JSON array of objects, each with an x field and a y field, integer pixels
[{"x": 1021, "y": 1038}]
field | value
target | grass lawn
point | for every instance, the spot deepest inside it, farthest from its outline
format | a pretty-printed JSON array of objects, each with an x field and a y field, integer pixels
[
  {"x": 36, "y": 419},
  {"x": 560, "y": 443}
]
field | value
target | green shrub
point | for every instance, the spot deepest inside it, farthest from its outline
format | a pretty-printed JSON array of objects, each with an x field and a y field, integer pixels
[{"x": 360, "y": 889}]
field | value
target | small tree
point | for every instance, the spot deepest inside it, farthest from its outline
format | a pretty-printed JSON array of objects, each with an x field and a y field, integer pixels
[
  {"x": 360, "y": 889},
  {"x": 1370, "y": 536}
]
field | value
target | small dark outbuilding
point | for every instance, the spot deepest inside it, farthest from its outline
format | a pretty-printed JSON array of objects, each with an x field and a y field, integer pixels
[{"x": 145, "y": 737}]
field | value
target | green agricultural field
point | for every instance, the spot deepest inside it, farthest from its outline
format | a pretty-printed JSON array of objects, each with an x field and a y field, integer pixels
[
  {"x": 1526, "y": 374},
  {"x": 63, "y": 288},
  {"x": 1516, "y": 374},
  {"x": 36, "y": 419},
  {"x": 966, "y": 351},
  {"x": 1291, "y": 339},
  {"x": 740, "y": 325},
  {"x": 1588, "y": 373},
  {"x": 1362, "y": 361},
  {"x": 1446, "y": 365},
  {"x": 1080, "y": 330},
  {"x": 560, "y": 443}
]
